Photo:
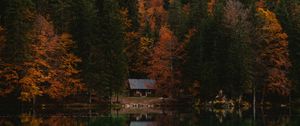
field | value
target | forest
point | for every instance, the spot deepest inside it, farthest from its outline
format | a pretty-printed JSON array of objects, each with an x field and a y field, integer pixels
[{"x": 60, "y": 48}]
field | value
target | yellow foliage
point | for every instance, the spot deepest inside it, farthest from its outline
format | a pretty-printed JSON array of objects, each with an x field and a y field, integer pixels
[
  {"x": 124, "y": 18},
  {"x": 52, "y": 63},
  {"x": 210, "y": 6},
  {"x": 273, "y": 55},
  {"x": 28, "y": 120}
]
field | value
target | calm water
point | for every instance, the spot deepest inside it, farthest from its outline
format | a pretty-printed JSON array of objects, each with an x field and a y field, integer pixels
[{"x": 148, "y": 117}]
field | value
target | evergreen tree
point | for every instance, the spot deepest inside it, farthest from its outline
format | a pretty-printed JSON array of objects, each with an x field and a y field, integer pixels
[
  {"x": 239, "y": 61},
  {"x": 108, "y": 53},
  {"x": 133, "y": 32},
  {"x": 18, "y": 16},
  {"x": 193, "y": 60},
  {"x": 84, "y": 29},
  {"x": 8, "y": 72},
  {"x": 58, "y": 10},
  {"x": 214, "y": 53}
]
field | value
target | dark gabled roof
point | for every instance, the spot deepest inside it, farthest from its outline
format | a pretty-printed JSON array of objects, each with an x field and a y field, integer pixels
[{"x": 141, "y": 84}]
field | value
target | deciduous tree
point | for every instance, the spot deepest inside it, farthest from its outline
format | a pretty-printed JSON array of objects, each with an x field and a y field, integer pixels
[
  {"x": 162, "y": 64},
  {"x": 273, "y": 57},
  {"x": 51, "y": 67}
]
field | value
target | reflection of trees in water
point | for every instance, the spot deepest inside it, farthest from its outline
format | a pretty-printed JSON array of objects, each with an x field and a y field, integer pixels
[
  {"x": 55, "y": 120},
  {"x": 213, "y": 117},
  {"x": 276, "y": 118},
  {"x": 228, "y": 117},
  {"x": 6, "y": 122},
  {"x": 282, "y": 121},
  {"x": 109, "y": 121},
  {"x": 26, "y": 119}
]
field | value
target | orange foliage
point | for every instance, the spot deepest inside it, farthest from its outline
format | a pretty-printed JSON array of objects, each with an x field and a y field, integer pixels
[
  {"x": 51, "y": 69},
  {"x": 273, "y": 54},
  {"x": 124, "y": 18},
  {"x": 211, "y": 5},
  {"x": 152, "y": 12},
  {"x": 145, "y": 49},
  {"x": 262, "y": 3},
  {"x": 162, "y": 68},
  {"x": 8, "y": 78}
]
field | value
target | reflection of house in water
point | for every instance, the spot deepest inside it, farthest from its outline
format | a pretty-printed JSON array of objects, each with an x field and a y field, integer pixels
[
  {"x": 142, "y": 120},
  {"x": 141, "y": 87}
]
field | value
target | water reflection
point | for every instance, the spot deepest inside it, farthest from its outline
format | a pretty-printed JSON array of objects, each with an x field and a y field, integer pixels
[{"x": 215, "y": 117}]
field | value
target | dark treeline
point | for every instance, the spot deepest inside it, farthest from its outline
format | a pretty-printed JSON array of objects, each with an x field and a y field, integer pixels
[{"x": 57, "y": 48}]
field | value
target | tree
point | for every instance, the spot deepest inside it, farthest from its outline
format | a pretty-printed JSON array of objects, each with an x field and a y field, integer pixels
[
  {"x": 272, "y": 58},
  {"x": 59, "y": 11},
  {"x": 18, "y": 16},
  {"x": 51, "y": 67},
  {"x": 107, "y": 54},
  {"x": 2, "y": 10},
  {"x": 84, "y": 29},
  {"x": 132, "y": 33},
  {"x": 197, "y": 12},
  {"x": 8, "y": 72},
  {"x": 239, "y": 60},
  {"x": 2, "y": 38},
  {"x": 162, "y": 64},
  {"x": 211, "y": 49},
  {"x": 288, "y": 15}
]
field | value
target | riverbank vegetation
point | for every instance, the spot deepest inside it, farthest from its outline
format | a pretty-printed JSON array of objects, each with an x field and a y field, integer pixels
[{"x": 57, "y": 49}]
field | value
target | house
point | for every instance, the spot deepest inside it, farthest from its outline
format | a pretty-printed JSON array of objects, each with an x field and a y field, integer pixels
[{"x": 141, "y": 87}]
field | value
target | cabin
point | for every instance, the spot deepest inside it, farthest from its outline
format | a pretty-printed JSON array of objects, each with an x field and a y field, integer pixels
[{"x": 141, "y": 87}]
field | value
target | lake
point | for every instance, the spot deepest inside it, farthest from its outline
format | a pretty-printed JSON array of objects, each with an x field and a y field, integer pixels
[{"x": 148, "y": 117}]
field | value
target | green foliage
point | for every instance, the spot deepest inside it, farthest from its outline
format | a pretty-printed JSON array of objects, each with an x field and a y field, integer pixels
[
  {"x": 288, "y": 14},
  {"x": 110, "y": 49},
  {"x": 207, "y": 46},
  {"x": 239, "y": 74},
  {"x": 18, "y": 16},
  {"x": 84, "y": 29},
  {"x": 58, "y": 10}
]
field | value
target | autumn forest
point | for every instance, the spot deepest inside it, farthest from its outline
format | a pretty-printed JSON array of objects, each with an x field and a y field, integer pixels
[{"x": 55, "y": 49}]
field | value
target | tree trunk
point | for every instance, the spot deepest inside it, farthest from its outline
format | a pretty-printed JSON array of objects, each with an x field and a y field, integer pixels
[
  {"x": 254, "y": 102},
  {"x": 117, "y": 97},
  {"x": 263, "y": 96},
  {"x": 33, "y": 102},
  {"x": 90, "y": 97}
]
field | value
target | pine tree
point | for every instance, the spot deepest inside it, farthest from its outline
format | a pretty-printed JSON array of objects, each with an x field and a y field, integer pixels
[
  {"x": 213, "y": 48},
  {"x": 108, "y": 53},
  {"x": 18, "y": 18},
  {"x": 197, "y": 10},
  {"x": 8, "y": 72},
  {"x": 60, "y": 11},
  {"x": 3, "y": 6},
  {"x": 133, "y": 31},
  {"x": 239, "y": 62},
  {"x": 84, "y": 29}
]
